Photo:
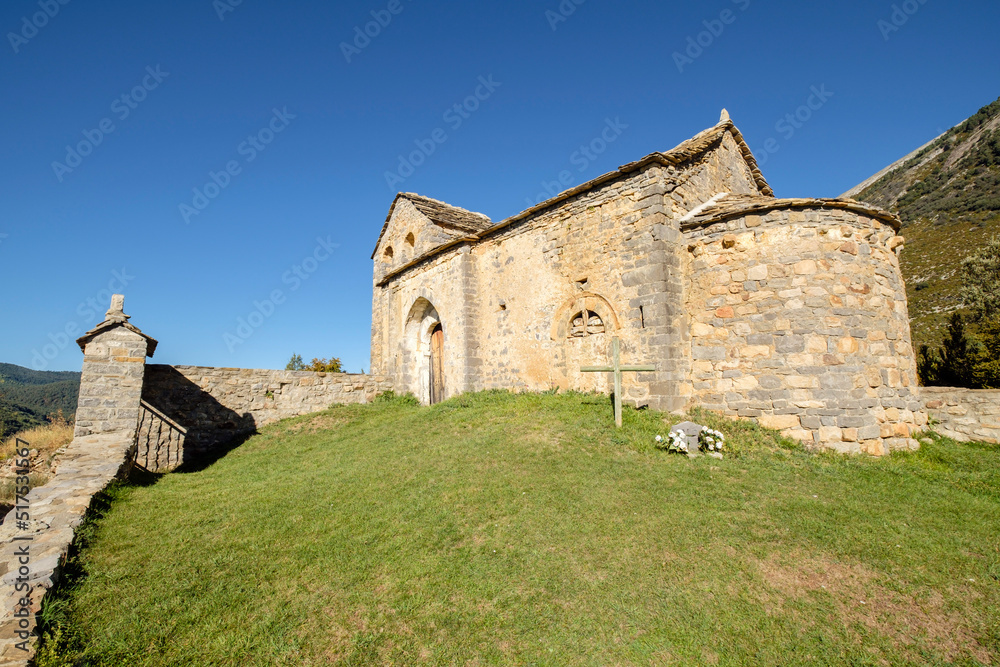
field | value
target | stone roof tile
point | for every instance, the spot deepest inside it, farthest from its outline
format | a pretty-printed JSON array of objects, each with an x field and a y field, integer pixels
[
  {"x": 441, "y": 214},
  {"x": 727, "y": 205}
]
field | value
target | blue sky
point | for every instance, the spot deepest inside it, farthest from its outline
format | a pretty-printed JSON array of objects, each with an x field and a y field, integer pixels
[{"x": 205, "y": 157}]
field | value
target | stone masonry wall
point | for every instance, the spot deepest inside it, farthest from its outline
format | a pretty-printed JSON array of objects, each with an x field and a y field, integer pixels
[
  {"x": 217, "y": 405},
  {"x": 36, "y": 535},
  {"x": 964, "y": 414},
  {"x": 799, "y": 320},
  {"x": 214, "y": 405},
  {"x": 31, "y": 555}
]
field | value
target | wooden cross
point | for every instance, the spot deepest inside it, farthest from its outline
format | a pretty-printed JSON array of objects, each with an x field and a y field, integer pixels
[{"x": 617, "y": 369}]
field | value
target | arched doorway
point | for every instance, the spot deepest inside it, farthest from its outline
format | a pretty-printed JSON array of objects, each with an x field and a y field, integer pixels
[
  {"x": 437, "y": 365},
  {"x": 424, "y": 353}
]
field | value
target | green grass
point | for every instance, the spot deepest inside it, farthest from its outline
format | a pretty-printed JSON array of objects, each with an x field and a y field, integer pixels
[{"x": 524, "y": 529}]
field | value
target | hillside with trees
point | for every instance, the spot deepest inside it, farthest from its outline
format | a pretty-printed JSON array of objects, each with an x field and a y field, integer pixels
[
  {"x": 31, "y": 398},
  {"x": 948, "y": 196}
]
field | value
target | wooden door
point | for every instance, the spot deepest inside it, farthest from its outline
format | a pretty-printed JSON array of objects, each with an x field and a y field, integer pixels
[{"x": 437, "y": 365}]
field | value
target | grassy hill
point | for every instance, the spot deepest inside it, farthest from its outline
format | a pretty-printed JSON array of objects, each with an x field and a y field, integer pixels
[
  {"x": 501, "y": 529},
  {"x": 948, "y": 196},
  {"x": 31, "y": 398}
]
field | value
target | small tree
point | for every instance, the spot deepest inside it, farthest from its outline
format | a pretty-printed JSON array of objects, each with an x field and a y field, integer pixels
[
  {"x": 986, "y": 370},
  {"x": 295, "y": 363},
  {"x": 956, "y": 356},
  {"x": 952, "y": 364},
  {"x": 981, "y": 281},
  {"x": 929, "y": 367},
  {"x": 331, "y": 365}
]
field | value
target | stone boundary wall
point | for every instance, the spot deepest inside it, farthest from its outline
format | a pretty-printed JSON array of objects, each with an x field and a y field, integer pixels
[
  {"x": 217, "y": 405},
  {"x": 181, "y": 411},
  {"x": 36, "y": 535},
  {"x": 55, "y": 509},
  {"x": 964, "y": 414}
]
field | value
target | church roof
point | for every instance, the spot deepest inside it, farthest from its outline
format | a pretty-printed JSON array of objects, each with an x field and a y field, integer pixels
[
  {"x": 726, "y": 205},
  {"x": 676, "y": 156},
  {"x": 475, "y": 226},
  {"x": 468, "y": 223}
]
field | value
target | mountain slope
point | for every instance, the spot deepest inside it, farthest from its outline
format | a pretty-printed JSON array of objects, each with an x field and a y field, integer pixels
[
  {"x": 22, "y": 375},
  {"x": 30, "y": 398},
  {"x": 947, "y": 194}
]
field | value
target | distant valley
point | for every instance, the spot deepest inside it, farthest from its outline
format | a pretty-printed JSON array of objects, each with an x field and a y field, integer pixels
[{"x": 29, "y": 398}]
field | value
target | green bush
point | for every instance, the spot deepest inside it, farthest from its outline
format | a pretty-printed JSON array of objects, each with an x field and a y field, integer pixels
[{"x": 317, "y": 365}]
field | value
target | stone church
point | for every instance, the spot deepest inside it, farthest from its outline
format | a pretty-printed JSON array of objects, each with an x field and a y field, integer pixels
[{"x": 789, "y": 311}]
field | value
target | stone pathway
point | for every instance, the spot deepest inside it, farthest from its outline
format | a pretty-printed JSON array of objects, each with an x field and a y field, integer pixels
[{"x": 54, "y": 510}]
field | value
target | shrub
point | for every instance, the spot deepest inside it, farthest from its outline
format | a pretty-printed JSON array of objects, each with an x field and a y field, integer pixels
[
  {"x": 981, "y": 281},
  {"x": 331, "y": 365},
  {"x": 317, "y": 365}
]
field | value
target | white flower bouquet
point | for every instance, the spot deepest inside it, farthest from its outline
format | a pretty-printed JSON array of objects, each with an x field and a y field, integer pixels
[
  {"x": 710, "y": 440},
  {"x": 675, "y": 442}
]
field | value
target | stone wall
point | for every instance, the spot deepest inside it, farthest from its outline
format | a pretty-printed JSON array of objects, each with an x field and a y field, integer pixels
[
  {"x": 37, "y": 534},
  {"x": 214, "y": 406},
  {"x": 31, "y": 555},
  {"x": 799, "y": 320},
  {"x": 964, "y": 414},
  {"x": 162, "y": 415}
]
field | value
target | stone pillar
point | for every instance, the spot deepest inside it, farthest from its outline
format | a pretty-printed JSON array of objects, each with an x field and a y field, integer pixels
[
  {"x": 473, "y": 364},
  {"x": 658, "y": 281},
  {"x": 113, "y": 366}
]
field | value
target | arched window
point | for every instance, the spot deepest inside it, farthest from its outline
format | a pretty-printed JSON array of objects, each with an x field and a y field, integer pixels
[
  {"x": 585, "y": 314},
  {"x": 585, "y": 323}
]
